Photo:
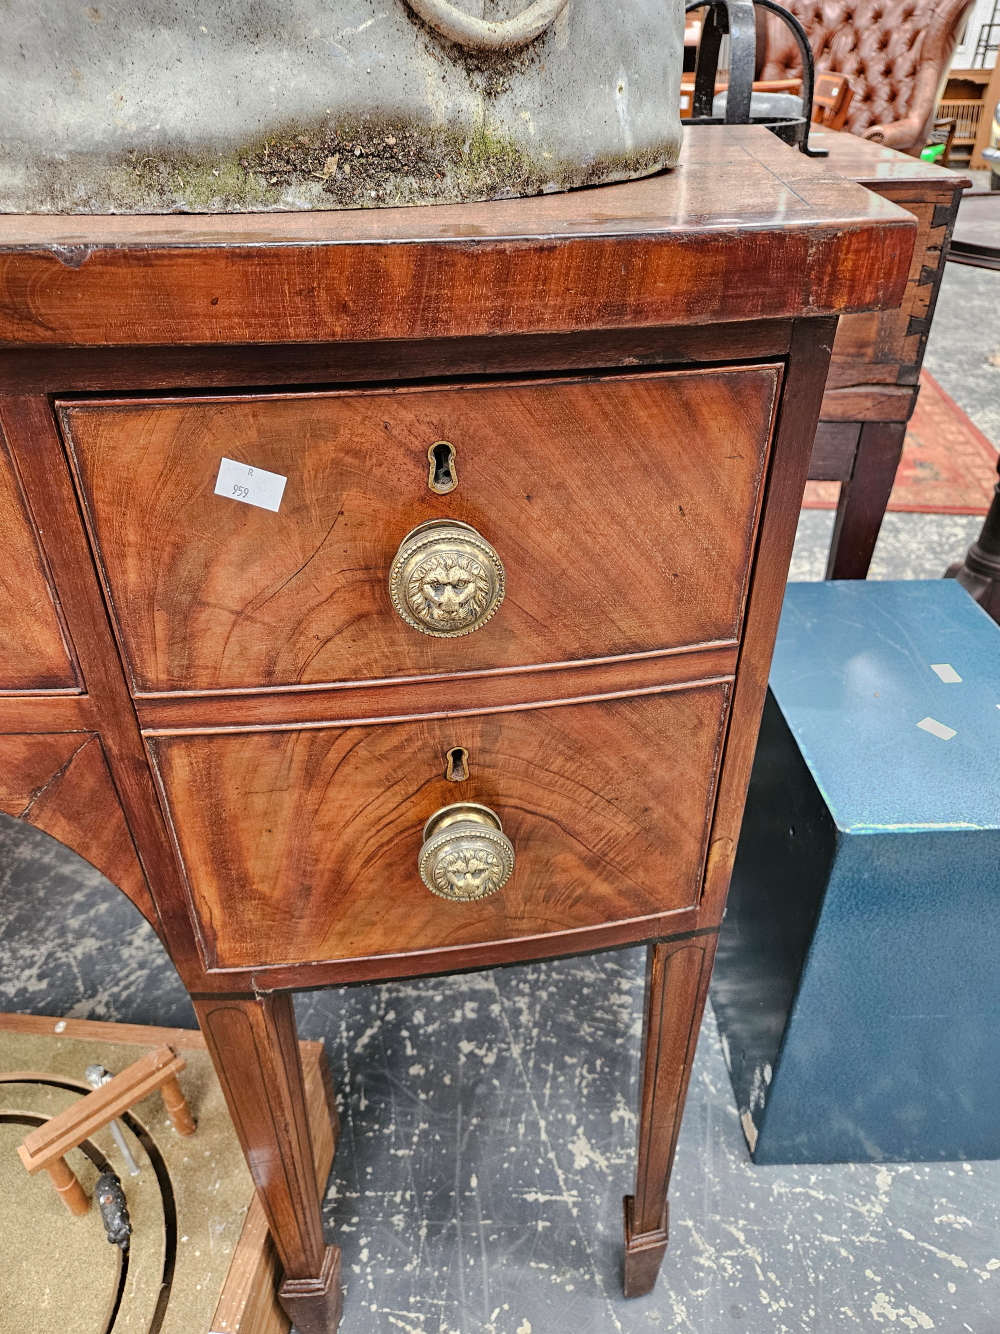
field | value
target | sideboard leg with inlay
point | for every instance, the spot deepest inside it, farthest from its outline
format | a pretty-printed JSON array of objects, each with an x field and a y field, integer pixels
[
  {"x": 677, "y": 974},
  {"x": 255, "y": 1048}
]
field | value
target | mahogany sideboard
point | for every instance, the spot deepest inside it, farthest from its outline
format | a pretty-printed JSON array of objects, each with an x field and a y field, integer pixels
[
  {"x": 243, "y": 699},
  {"x": 874, "y": 374}
]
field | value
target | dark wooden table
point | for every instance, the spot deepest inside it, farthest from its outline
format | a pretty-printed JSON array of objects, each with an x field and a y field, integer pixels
[
  {"x": 976, "y": 240},
  {"x": 877, "y": 355},
  {"x": 221, "y": 706}
]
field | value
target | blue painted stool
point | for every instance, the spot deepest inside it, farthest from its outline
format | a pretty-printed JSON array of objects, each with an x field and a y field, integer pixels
[{"x": 857, "y": 984}]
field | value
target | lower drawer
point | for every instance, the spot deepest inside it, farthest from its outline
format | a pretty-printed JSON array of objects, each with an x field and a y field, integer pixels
[{"x": 302, "y": 844}]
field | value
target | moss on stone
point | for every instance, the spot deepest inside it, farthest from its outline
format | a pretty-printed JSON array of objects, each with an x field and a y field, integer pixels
[{"x": 368, "y": 163}]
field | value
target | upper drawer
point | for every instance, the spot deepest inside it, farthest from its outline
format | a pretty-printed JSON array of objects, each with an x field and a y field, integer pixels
[
  {"x": 623, "y": 511},
  {"x": 34, "y": 655}
]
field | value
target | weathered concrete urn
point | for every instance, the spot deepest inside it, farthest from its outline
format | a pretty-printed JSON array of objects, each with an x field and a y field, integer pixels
[{"x": 218, "y": 106}]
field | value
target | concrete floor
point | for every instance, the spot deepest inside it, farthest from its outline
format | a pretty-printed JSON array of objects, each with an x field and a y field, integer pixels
[
  {"x": 489, "y": 1118},
  {"x": 963, "y": 350}
]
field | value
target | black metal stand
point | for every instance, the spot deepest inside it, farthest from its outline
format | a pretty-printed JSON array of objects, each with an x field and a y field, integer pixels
[
  {"x": 736, "y": 17},
  {"x": 979, "y": 573}
]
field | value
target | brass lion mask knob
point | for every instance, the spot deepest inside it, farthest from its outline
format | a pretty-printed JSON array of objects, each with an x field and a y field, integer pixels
[
  {"x": 466, "y": 855},
  {"x": 446, "y": 579}
]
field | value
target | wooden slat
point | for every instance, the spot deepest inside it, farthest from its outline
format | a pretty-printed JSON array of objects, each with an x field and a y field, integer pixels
[
  {"x": 139, "y": 1035},
  {"x": 46, "y": 713},
  {"x": 833, "y": 453},
  {"x": 71, "y": 369},
  {"x": 65, "y": 1131},
  {"x": 869, "y": 403}
]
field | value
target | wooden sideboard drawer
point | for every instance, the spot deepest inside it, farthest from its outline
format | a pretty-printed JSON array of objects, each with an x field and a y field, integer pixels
[
  {"x": 623, "y": 509},
  {"x": 33, "y": 651},
  {"x": 302, "y": 844}
]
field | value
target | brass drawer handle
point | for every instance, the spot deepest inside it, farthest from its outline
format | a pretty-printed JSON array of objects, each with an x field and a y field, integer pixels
[
  {"x": 446, "y": 579},
  {"x": 466, "y": 855}
]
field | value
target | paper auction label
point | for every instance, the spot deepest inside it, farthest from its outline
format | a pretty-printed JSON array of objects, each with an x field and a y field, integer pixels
[{"x": 252, "y": 486}]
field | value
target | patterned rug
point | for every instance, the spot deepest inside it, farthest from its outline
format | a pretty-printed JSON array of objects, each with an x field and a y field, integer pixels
[{"x": 948, "y": 465}]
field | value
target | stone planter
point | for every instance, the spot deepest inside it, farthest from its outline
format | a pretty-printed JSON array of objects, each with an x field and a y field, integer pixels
[{"x": 162, "y": 106}]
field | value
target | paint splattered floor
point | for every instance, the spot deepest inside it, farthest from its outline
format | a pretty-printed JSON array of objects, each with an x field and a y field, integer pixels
[
  {"x": 488, "y": 1139},
  {"x": 488, "y": 1119},
  {"x": 488, "y": 1136}
]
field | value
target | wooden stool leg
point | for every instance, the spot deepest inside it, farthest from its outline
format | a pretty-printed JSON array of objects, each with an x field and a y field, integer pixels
[
  {"x": 177, "y": 1109},
  {"x": 256, "y": 1052},
  {"x": 75, "y": 1198},
  {"x": 677, "y": 975}
]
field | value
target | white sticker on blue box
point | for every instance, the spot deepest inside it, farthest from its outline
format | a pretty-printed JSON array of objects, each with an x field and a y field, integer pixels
[
  {"x": 945, "y": 672},
  {"x": 251, "y": 486},
  {"x": 937, "y": 729}
]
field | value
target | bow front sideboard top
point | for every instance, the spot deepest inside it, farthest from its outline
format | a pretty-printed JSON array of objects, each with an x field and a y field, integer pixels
[{"x": 393, "y": 592}]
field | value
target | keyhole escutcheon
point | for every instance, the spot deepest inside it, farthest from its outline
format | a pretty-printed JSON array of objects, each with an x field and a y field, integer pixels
[
  {"x": 457, "y": 770},
  {"x": 443, "y": 475}
]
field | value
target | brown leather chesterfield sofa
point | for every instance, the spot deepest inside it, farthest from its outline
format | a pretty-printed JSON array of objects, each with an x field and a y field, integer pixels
[{"x": 893, "y": 51}]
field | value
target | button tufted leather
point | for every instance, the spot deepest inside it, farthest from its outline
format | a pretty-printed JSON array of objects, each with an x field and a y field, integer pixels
[{"x": 893, "y": 52}]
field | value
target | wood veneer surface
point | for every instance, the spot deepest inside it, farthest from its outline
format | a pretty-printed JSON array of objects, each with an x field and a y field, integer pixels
[
  {"x": 623, "y": 510},
  {"x": 303, "y": 846},
  {"x": 740, "y": 214},
  {"x": 33, "y": 651}
]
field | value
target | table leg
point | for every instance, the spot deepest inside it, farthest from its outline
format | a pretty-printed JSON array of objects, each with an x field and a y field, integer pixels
[
  {"x": 863, "y": 499},
  {"x": 677, "y": 974},
  {"x": 255, "y": 1048}
]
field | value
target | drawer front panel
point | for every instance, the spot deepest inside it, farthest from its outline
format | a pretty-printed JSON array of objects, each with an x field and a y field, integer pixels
[
  {"x": 623, "y": 511},
  {"x": 302, "y": 845},
  {"x": 33, "y": 651}
]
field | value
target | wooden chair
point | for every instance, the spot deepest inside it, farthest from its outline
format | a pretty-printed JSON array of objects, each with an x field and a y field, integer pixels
[
  {"x": 893, "y": 51},
  {"x": 832, "y": 98},
  {"x": 943, "y": 132}
]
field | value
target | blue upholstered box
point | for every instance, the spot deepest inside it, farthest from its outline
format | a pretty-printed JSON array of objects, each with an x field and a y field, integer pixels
[{"x": 857, "y": 986}]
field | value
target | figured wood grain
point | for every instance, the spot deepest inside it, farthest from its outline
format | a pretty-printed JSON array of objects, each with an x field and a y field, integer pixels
[
  {"x": 671, "y": 249},
  {"x": 455, "y": 696},
  {"x": 303, "y": 846},
  {"x": 612, "y": 799},
  {"x": 60, "y": 783},
  {"x": 33, "y": 438},
  {"x": 34, "y": 651},
  {"x": 618, "y": 533}
]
